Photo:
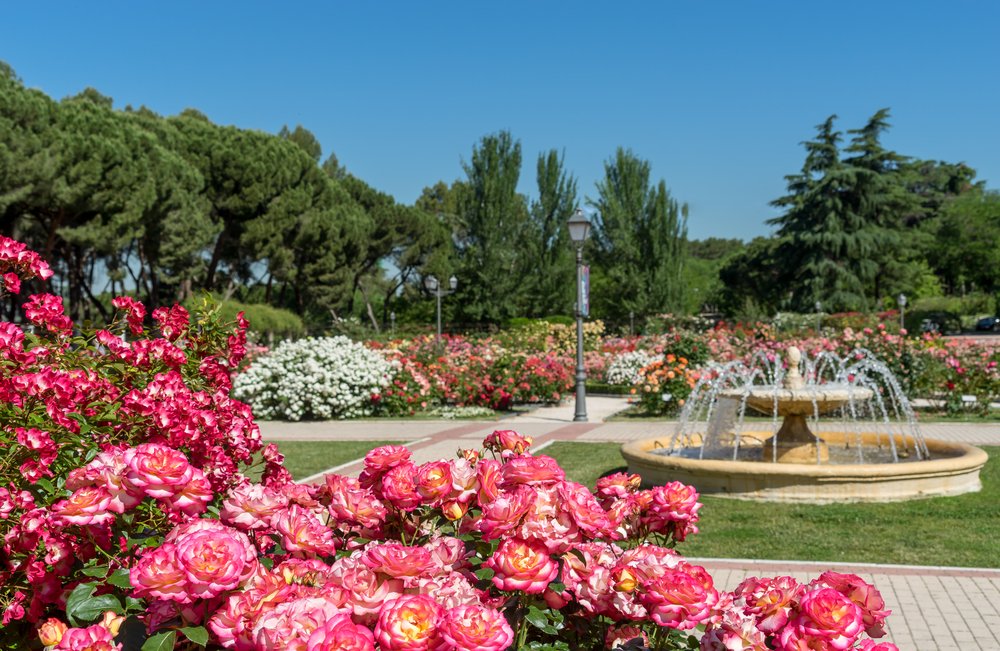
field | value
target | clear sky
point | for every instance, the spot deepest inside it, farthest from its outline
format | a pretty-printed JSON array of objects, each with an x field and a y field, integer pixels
[{"x": 717, "y": 96}]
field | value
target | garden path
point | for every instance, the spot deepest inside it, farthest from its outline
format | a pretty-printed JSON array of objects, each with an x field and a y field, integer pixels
[{"x": 934, "y": 608}]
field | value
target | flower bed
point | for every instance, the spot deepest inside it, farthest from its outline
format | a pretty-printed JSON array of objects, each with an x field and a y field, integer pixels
[{"x": 128, "y": 523}]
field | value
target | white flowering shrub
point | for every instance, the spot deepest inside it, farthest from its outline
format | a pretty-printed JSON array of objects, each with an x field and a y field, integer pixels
[
  {"x": 314, "y": 379},
  {"x": 624, "y": 369}
]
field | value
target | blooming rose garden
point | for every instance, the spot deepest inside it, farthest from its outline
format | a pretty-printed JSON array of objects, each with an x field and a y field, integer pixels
[{"x": 129, "y": 521}]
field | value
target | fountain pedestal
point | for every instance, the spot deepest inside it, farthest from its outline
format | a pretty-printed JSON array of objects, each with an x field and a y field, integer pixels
[{"x": 796, "y": 443}]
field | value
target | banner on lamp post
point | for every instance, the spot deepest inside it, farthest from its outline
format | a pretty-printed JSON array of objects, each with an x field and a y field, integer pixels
[{"x": 585, "y": 290}]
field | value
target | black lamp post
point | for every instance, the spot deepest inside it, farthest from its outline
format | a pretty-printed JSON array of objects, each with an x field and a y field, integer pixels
[
  {"x": 902, "y": 311},
  {"x": 432, "y": 284},
  {"x": 819, "y": 310},
  {"x": 579, "y": 228}
]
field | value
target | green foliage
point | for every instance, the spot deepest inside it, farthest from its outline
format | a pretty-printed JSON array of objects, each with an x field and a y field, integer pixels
[
  {"x": 493, "y": 226},
  {"x": 639, "y": 242},
  {"x": 550, "y": 283}
]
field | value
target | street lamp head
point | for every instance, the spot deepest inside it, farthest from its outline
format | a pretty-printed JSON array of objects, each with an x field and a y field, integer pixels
[
  {"x": 902, "y": 300},
  {"x": 819, "y": 306},
  {"x": 431, "y": 283},
  {"x": 453, "y": 283},
  {"x": 579, "y": 227}
]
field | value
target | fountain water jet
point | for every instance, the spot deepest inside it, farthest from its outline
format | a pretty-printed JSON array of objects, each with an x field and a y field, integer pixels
[{"x": 873, "y": 452}]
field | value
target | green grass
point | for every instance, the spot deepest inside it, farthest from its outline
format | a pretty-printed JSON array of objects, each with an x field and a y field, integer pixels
[
  {"x": 954, "y": 531},
  {"x": 306, "y": 458}
]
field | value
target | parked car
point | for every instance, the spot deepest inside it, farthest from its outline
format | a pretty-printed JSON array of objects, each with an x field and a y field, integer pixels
[{"x": 990, "y": 323}]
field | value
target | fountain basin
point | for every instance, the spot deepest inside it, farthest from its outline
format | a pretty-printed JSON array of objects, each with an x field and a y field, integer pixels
[{"x": 953, "y": 469}]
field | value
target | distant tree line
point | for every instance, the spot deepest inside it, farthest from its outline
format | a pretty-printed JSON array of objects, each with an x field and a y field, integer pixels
[
  {"x": 168, "y": 208},
  {"x": 128, "y": 201}
]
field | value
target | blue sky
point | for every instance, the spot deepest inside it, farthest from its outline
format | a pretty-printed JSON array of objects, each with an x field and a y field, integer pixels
[{"x": 716, "y": 95}]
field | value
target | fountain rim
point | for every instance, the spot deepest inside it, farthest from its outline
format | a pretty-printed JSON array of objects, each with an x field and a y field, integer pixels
[{"x": 969, "y": 456}]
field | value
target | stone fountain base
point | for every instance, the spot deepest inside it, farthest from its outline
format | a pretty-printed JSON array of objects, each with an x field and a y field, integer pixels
[{"x": 953, "y": 469}]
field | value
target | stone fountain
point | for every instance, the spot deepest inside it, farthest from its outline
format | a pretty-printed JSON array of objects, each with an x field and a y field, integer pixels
[{"x": 867, "y": 447}]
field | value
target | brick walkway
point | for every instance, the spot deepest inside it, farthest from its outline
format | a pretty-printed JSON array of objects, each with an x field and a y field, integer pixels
[{"x": 934, "y": 608}]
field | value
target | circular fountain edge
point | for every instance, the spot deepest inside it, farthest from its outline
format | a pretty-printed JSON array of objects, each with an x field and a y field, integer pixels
[{"x": 952, "y": 470}]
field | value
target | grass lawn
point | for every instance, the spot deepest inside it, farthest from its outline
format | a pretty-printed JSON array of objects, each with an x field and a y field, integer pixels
[
  {"x": 306, "y": 458},
  {"x": 953, "y": 531}
]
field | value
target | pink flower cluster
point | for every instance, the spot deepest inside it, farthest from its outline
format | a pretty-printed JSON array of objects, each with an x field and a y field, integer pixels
[
  {"x": 18, "y": 263},
  {"x": 829, "y": 614}
]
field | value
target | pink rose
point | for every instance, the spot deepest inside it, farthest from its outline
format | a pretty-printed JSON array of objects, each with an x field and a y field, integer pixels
[
  {"x": 870, "y": 645},
  {"x": 398, "y": 560},
  {"x": 86, "y": 506},
  {"x": 678, "y": 599},
  {"x": 367, "y": 591},
  {"x": 342, "y": 634},
  {"x": 251, "y": 506},
  {"x": 158, "y": 574},
  {"x": 476, "y": 627},
  {"x": 734, "y": 630},
  {"x": 302, "y": 532},
  {"x": 582, "y": 506},
  {"x": 505, "y": 512},
  {"x": 617, "y": 485},
  {"x": 408, "y": 623},
  {"x": 868, "y": 599},
  {"x": 290, "y": 624},
  {"x": 399, "y": 487},
  {"x": 522, "y": 565},
  {"x": 433, "y": 481},
  {"x": 213, "y": 561},
  {"x": 380, "y": 461},
  {"x": 507, "y": 441},
  {"x": 351, "y": 504},
  {"x": 193, "y": 498},
  {"x": 157, "y": 470},
  {"x": 827, "y": 614},
  {"x": 532, "y": 470},
  {"x": 488, "y": 474},
  {"x": 672, "y": 509},
  {"x": 135, "y": 312},
  {"x": 770, "y": 601},
  {"x": 92, "y": 638}
]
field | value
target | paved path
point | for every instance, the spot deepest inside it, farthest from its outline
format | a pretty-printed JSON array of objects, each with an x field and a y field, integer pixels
[{"x": 934, "y": 608}]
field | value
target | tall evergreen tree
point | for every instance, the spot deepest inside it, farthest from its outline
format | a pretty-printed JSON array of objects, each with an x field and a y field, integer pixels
[
  {"x": 639, "y": 240},
  {"x": 877, "y": 193},
  {"x": 550, "y": 288},
  {"x": 824, "y": 252},
  {"x": 493, "y": 229}
]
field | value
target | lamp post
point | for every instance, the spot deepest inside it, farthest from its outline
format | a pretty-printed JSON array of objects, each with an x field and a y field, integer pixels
[
  {"x": 579, "y": 228},
  {"x": 432, "y": 284},
  {"x": 392, "y": 323},
  {"x": 902, "y": 312},
  {"x": 819, "y": 310}
]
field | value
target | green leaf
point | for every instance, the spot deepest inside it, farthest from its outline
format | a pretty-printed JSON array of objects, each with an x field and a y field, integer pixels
[
  {"x": 120, "y": 578},
  {"x": 484, "y": 573},
  {"x": 82, "y": 606},
  {"x": 536, "y": 617},
  {"x": 46, "y": 484},
  {"x": 197, "y": 634},
  {"x": 161, "y": 642},
  {"x": 97, "y": 571}
]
